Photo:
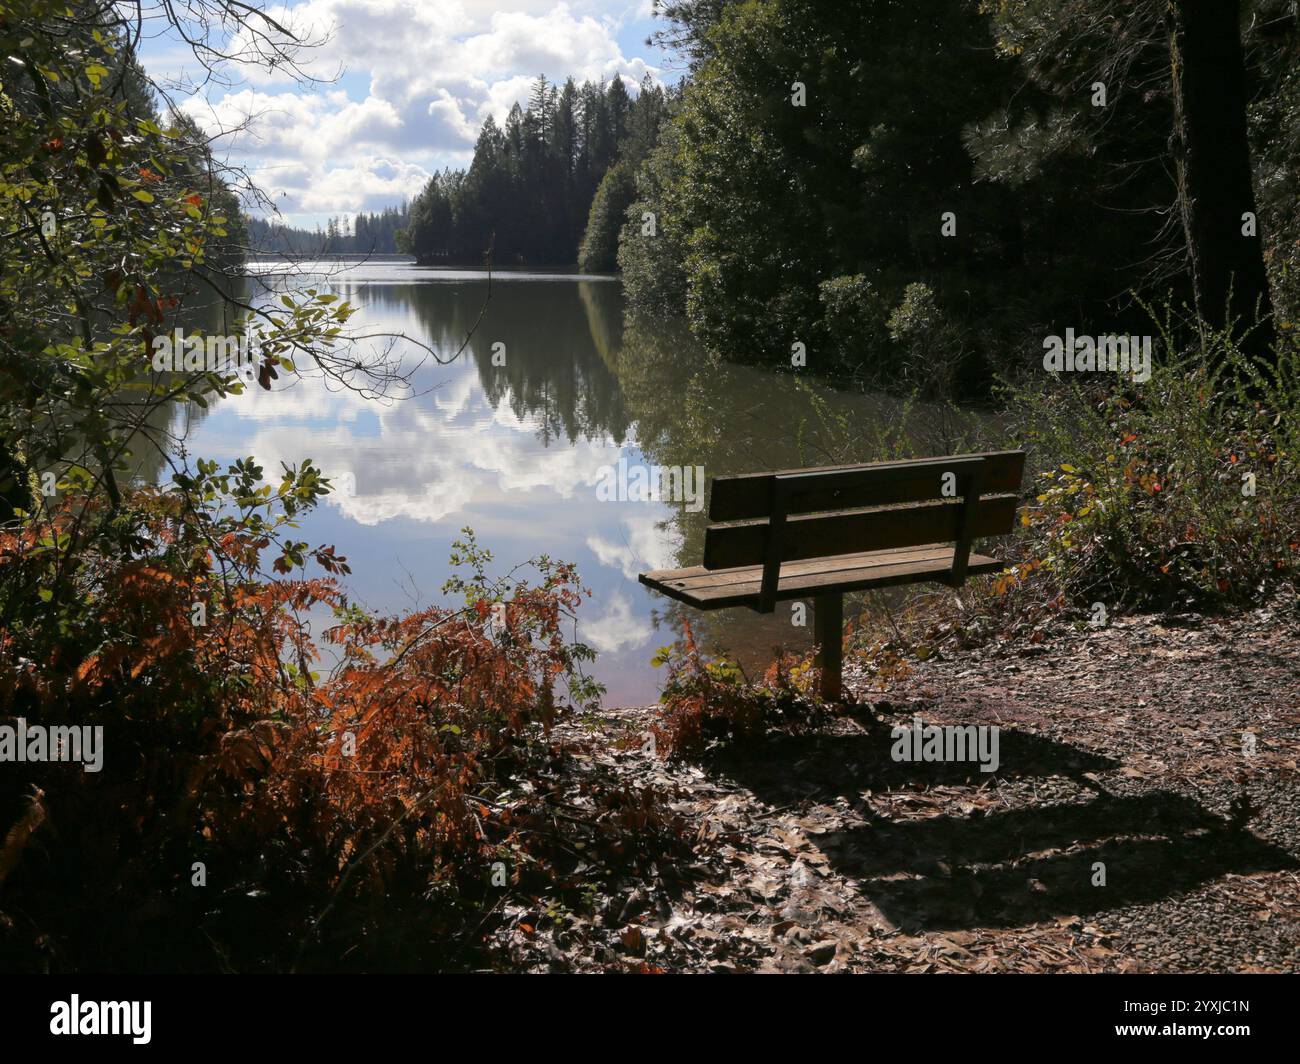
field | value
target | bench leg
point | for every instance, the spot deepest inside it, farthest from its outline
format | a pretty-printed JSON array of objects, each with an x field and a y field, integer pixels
[{"x": 828, "y": 631}]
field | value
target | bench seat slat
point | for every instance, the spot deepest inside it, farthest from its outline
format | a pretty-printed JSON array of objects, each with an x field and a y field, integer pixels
[
  {"x": 714, "y": 589},
  {"x": 699, "y": 576}
]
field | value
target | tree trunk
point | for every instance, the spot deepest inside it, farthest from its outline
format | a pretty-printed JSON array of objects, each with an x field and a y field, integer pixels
[{"x": 1215, "y": 188}]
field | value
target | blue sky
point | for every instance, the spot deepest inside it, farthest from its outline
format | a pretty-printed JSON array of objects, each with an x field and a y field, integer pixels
[{"x": 408, "y": 84}]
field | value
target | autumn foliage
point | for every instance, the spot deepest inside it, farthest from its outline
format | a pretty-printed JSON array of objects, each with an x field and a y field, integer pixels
[
  {"x": 353, "y": 817},
  {"x": 711, "y": 703}
]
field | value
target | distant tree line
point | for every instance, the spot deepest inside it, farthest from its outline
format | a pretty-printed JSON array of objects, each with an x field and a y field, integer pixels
[
  {"x": 554, "y": 180},
  {"x": 551, "y": 186},
  {"x": 371, "y": 233}
]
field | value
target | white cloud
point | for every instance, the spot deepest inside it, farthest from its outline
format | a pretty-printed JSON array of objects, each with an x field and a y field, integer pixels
[
  {"x": 617, "y": 628},
  {"x": 645, "y": 546},
  {"x": 485, "y": 457},
  {"x": 366, "y": 185},
  {"x": 420, "y": 78}
]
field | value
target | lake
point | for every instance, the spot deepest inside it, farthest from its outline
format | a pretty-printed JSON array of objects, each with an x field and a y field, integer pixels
[{"x": 517, "y": 447}]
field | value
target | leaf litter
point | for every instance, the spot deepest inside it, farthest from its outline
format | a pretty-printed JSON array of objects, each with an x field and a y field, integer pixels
[{"x": 1123, "y": 749}]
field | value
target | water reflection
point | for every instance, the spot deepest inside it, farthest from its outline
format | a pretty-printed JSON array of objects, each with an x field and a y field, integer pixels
[{"x": 514, "y": 446}]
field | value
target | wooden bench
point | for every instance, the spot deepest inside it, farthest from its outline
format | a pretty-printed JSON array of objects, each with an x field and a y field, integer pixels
[{"x": 821, "y": 532}]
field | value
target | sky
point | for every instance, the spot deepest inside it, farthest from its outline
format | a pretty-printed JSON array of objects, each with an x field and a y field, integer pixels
[{"x": 406, "y": 85}]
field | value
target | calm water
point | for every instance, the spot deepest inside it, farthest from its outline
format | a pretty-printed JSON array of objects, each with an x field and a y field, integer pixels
[{"x": 517, "y": 451}]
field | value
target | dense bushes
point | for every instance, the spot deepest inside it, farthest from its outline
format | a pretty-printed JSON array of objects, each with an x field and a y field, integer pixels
[
  {"x": 1181, "y": 490},
  {"x": 252, "y": 812},
  {"x": 853, "y": 319},
  {"x": 1178, "y": 492}
]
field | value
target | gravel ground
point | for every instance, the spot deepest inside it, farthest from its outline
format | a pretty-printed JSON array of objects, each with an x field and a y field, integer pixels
[{"x": 1144, "y": 816}]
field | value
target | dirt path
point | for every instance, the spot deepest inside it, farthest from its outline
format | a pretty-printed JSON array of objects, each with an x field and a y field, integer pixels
[{"x": 1127, "y": 747}]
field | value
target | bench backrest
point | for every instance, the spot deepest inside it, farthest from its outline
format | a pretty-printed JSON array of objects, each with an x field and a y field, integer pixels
[{"x": 792, "y": 515}]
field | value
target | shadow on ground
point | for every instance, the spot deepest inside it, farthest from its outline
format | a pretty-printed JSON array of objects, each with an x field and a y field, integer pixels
[
  {"x": 1007, "y": 868},
  {"x": 1028, "y": 865},
  {"x": 783, "y": 768}
]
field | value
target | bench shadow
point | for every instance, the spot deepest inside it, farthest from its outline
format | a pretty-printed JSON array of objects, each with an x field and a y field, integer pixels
[
  {"x": 1007, "y": 868},
  {"x": 782, "y": 768},
  {"x": 946, "y": 873}
]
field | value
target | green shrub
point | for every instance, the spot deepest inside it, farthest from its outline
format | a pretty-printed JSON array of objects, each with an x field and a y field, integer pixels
[
  {"x": 599, "y": 250},
  {"x": 928, "y": 342},
  {"x": 653, "y": 276},
  {"x": 1183, "y": 490},
  {"x": 853, "y": 315}
]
